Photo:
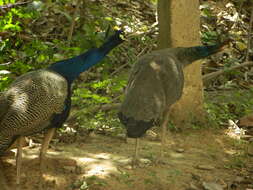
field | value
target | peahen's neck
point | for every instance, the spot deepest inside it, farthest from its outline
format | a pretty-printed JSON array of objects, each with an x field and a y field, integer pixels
[
  {"x": 192, "y": 54},
  {"x": 71, "y": 68}
]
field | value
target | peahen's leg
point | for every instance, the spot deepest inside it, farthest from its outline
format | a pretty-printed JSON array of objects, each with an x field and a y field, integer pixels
[
  {"x": 163, "y": 135},
  {"x": 48, "y": 136},
  {"x": 20, "y": 142},
  {"x": 136, "y": 153}
]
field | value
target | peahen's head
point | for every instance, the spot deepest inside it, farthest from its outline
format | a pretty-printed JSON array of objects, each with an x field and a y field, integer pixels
[
  {"x": 190, "y": 54},
  {"x": 135, "y": 128}
]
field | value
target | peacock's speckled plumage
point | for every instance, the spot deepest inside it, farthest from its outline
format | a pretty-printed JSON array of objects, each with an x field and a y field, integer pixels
[
  {"x": 32, "y": 101},
  {"x": 41, "y": 99}
]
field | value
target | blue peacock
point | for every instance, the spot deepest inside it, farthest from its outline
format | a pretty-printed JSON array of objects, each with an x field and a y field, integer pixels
[
  {"x": 41, "y": 100},
  {"x": 155, "y": 83}
]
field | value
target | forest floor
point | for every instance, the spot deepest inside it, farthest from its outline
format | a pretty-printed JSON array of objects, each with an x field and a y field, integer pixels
[{"x": 194, "y": 159}]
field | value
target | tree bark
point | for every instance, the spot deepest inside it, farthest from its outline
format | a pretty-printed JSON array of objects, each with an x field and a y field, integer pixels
[
  {"x": 179, "y": 25},
  {"x": 164, "y": 20}
]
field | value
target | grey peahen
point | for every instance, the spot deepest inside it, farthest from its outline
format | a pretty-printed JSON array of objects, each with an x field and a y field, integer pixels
[
  {"x": 155, "y": 83},
  {"x": 41, "y": 100}
]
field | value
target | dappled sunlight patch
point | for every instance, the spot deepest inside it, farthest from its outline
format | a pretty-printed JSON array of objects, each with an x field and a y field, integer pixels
[
  {"x": 219, "y": 141},
  {"x": 103, "y": 164},
  {"x": 85, "y": 159},
  {"x": 11, "y": 161},
  {"x": 103, "y": 156},
  {"x": 230, "y": 151},
  {"x": 176, "y": 155},
  {"x": 102, "y": 169},
  {"x": 234, "y": 131},
  {"x": 53, "y": 153}
]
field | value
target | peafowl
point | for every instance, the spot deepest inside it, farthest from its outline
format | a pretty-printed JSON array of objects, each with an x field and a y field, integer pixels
[
  {"x": 41, "y": 100},
  {"x": 155, "y": 83}
]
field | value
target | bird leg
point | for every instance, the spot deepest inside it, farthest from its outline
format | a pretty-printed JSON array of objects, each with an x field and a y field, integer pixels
[
  {"x": 136, "y": 153},
  {"x": 48, "y": 136},
  {"x": 163, "y": 135},
  {"x": 20, "y": 141}
]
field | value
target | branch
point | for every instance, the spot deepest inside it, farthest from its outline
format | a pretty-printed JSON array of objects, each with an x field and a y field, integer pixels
[
  {"x": 119, "y": 69},
  {"x": 10, "y": 5},
  {"x": 206, "y": 78},
  {"x": 152, "y": 29},
  {"x": 73, "y": 21},
  {"x": 127, "y": 64},
  {"x": 4, "y": 64},
  {"x": 105, "y": 107},
  {"x": 249, "y": 33}
]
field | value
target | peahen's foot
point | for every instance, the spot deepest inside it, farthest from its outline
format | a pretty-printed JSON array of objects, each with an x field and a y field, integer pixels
[
  {"x": 160, "y": 161},
  {"x": 135, "y": 162},
  {"x": 18, "y": 187},
  {"x": 141, "y": 163}
]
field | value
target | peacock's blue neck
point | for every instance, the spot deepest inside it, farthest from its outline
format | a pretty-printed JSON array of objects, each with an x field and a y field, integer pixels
[
  {"x": 109, "y": 45},
  {"x": 71, "y": 68}
]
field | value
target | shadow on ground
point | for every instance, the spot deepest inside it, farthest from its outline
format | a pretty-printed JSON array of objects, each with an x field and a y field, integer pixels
[{"x": 193, "y": 160}]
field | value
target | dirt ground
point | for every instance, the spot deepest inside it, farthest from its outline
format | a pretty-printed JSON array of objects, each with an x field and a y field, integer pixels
[{"x": 194, "y": 159}]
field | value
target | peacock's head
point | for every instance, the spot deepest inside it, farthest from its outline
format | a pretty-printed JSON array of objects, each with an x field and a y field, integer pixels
[{"x": 118, "y": 36}]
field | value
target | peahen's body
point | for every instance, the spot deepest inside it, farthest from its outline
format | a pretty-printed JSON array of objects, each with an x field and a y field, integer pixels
[
  {"x": 155, "y": 83},
  {"x": 41, "y": 99}
]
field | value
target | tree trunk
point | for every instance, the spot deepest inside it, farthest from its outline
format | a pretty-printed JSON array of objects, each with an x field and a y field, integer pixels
[{"x": 179, "y": 25}]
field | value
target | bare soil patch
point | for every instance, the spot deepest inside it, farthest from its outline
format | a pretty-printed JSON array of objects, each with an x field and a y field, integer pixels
[{"x": 193, "y": 158}]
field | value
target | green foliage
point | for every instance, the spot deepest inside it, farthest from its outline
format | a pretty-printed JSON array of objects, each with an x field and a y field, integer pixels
[
  {"x": 237, "y": 161},
  {"x": 35, "y": 35},
  {"x": 93, "y": 181},
  {"x": 94, "y": 93},
  {"x": 224, "y": 106}
]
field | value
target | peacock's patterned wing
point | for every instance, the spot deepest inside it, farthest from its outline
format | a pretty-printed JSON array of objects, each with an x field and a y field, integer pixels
[
  {"x": 4, "y": 105},
  {"x": 31, "y": 101}
]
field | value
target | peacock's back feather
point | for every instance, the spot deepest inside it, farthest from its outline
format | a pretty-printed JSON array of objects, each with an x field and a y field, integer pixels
[{"x": 31, "y": 101}]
